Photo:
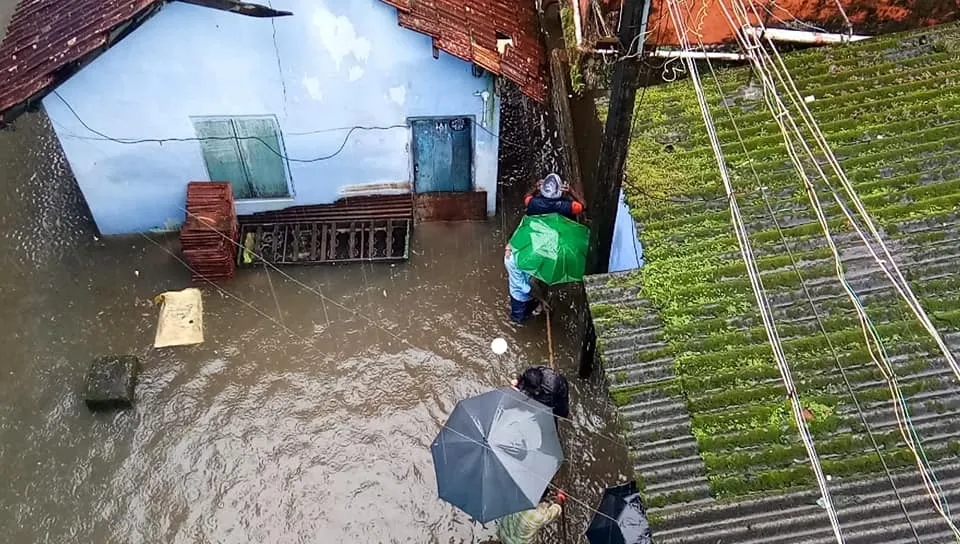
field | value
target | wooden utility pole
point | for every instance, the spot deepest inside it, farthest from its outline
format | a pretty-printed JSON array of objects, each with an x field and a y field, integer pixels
[
  {"x": 616, "y": 135},
  {"x": 613, "y": 154}
]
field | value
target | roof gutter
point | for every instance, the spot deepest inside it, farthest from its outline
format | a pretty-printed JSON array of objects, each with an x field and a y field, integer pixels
[{"x": 800, "y": 36}]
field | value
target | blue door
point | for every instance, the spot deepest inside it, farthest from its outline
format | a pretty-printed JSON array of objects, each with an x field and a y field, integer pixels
[{"x": 442, "y": 155}]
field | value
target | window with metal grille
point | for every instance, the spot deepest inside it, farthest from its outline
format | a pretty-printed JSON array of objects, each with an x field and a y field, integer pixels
[{"x": 245, "y": 151}]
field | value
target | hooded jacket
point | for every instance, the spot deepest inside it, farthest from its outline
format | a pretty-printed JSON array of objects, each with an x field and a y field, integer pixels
[{"x": 551, "y": 390}]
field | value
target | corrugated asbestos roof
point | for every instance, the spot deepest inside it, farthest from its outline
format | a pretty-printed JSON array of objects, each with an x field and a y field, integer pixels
[
  {"x": 690, "y": 369},
  {"x": 47, "y": 38},
  {"x": 467, "y": 29}
]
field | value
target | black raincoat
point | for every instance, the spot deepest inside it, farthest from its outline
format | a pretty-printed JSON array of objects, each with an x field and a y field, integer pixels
[{"x": 543, "y": 384}]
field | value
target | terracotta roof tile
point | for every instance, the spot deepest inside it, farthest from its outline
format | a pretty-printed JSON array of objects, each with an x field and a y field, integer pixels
[
  {"x": 468, "y": 29},
  {"x": 44, "y": 36}
]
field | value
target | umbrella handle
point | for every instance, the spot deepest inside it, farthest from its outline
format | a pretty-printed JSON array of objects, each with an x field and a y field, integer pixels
[{"x": 563, "y": 507}]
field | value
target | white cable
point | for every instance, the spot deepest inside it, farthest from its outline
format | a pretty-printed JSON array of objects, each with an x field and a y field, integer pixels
[
  {"x": 356, "y": 313},
  {"x": 780, "y": 114},
  {"x": 843, "y": 13},
  {"x": 756, "y": 176},
  {"x": 888, "y": 262},
  {"x": 754, "y": 275},
  {"x": 793, "y": 18}
]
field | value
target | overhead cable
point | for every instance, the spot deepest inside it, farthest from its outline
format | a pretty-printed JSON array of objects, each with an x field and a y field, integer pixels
[
  {"x": 875, "y": 347},
  {"x": 753, "y": 274},
  {"x": 346, "y": 139},
  {"x": 813, "y": 307}
]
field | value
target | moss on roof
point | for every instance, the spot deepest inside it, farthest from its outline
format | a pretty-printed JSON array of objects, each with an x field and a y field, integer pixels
[{"x": 682, "y": 337}]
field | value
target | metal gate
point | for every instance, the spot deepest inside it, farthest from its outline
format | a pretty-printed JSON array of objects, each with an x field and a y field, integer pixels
[{"x": 353, "y": 230}]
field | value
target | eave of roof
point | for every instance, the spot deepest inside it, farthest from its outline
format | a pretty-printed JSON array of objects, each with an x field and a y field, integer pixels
[
  {"x": 688, "y": 363},
  {"x": 469, "y": 29},
  {"x": 46, "y": 42}
]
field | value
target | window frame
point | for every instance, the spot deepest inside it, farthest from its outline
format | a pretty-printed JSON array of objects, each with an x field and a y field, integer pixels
[{"x": 287, "y": 176}]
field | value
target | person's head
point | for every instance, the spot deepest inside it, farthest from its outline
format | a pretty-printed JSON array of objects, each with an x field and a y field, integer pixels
[
  {"x": 552, "y": 187},
  {"x": 531, "y": 382}
]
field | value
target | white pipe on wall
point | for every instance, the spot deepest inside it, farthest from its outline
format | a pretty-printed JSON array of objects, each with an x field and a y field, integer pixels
[
  {"x": 712, "y": 55},
  {"x": 577, "y": 25},
  {"x": 800, "y": 36}
]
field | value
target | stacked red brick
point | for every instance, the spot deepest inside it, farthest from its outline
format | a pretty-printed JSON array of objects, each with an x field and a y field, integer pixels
[{"x": 209, "y": 233}]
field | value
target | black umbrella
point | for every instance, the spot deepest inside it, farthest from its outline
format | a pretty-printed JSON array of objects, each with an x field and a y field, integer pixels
[
  {"x": 621, "y": 518},
  {"x": 496, "y": 454}
]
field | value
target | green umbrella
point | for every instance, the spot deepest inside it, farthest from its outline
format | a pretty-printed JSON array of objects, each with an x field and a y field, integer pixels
[{"x": 551, "y": 248}]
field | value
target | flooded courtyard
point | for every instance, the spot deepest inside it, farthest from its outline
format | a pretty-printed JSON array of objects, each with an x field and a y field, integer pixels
[{"x": 307, "y": 414}]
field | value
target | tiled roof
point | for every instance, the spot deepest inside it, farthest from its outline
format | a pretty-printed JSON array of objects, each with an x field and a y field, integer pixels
[
  {"x": 681, "y": 340},
  {"x": 47, "y": 39},
  {"x": 871, "y": 17},
  {"x": 468, "y": 29}
]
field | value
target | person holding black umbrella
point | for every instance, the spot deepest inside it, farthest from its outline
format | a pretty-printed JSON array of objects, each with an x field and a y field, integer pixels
[
  {"x": 496, "y": 455},
  {"x": 523, "y": 527},
  {"x": 621, "y": 517},
  {"x": 547, "y": 386}
]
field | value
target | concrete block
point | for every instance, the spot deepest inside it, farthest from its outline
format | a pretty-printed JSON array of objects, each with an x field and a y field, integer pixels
[{"x": 111, "y": 382}]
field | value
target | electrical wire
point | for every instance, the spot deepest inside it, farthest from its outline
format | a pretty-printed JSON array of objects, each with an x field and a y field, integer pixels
[
  {"x": 350, "y": 130},
  {"x": 846, "y": 19},
  {"x": 793, "y": 18},
  {"x": 753, "y": 273},
  {"x": 307, "y": 343},
  {"x": 887, "y": 264},
  {"x": 813, "y": 307},
  {"x": 276, "y": 52},
  {"x": 875, "y": 347},
  {"x": 908, "y": 430}
]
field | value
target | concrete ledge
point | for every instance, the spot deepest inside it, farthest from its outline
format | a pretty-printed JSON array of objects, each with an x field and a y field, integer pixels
[{"x": 471, "y": 206}]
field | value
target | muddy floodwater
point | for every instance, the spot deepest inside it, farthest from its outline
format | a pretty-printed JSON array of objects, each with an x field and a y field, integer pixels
[{"x": 307, "y": 414}]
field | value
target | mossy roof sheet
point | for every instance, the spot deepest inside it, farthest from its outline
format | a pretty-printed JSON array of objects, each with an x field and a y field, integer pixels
[{"x": 681, "y": 340}]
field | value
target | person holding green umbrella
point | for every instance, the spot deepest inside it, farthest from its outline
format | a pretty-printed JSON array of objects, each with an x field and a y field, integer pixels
[
  {"x": 547, "y": 248},
  {"x": 552, "y": 195},
  {"x": 524, "y": 302},
  {"x": 551, "y": 248}
]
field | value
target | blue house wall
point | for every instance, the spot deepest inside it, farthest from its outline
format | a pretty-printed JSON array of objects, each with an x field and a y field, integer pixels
[{"x": 340, "y": 77}]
